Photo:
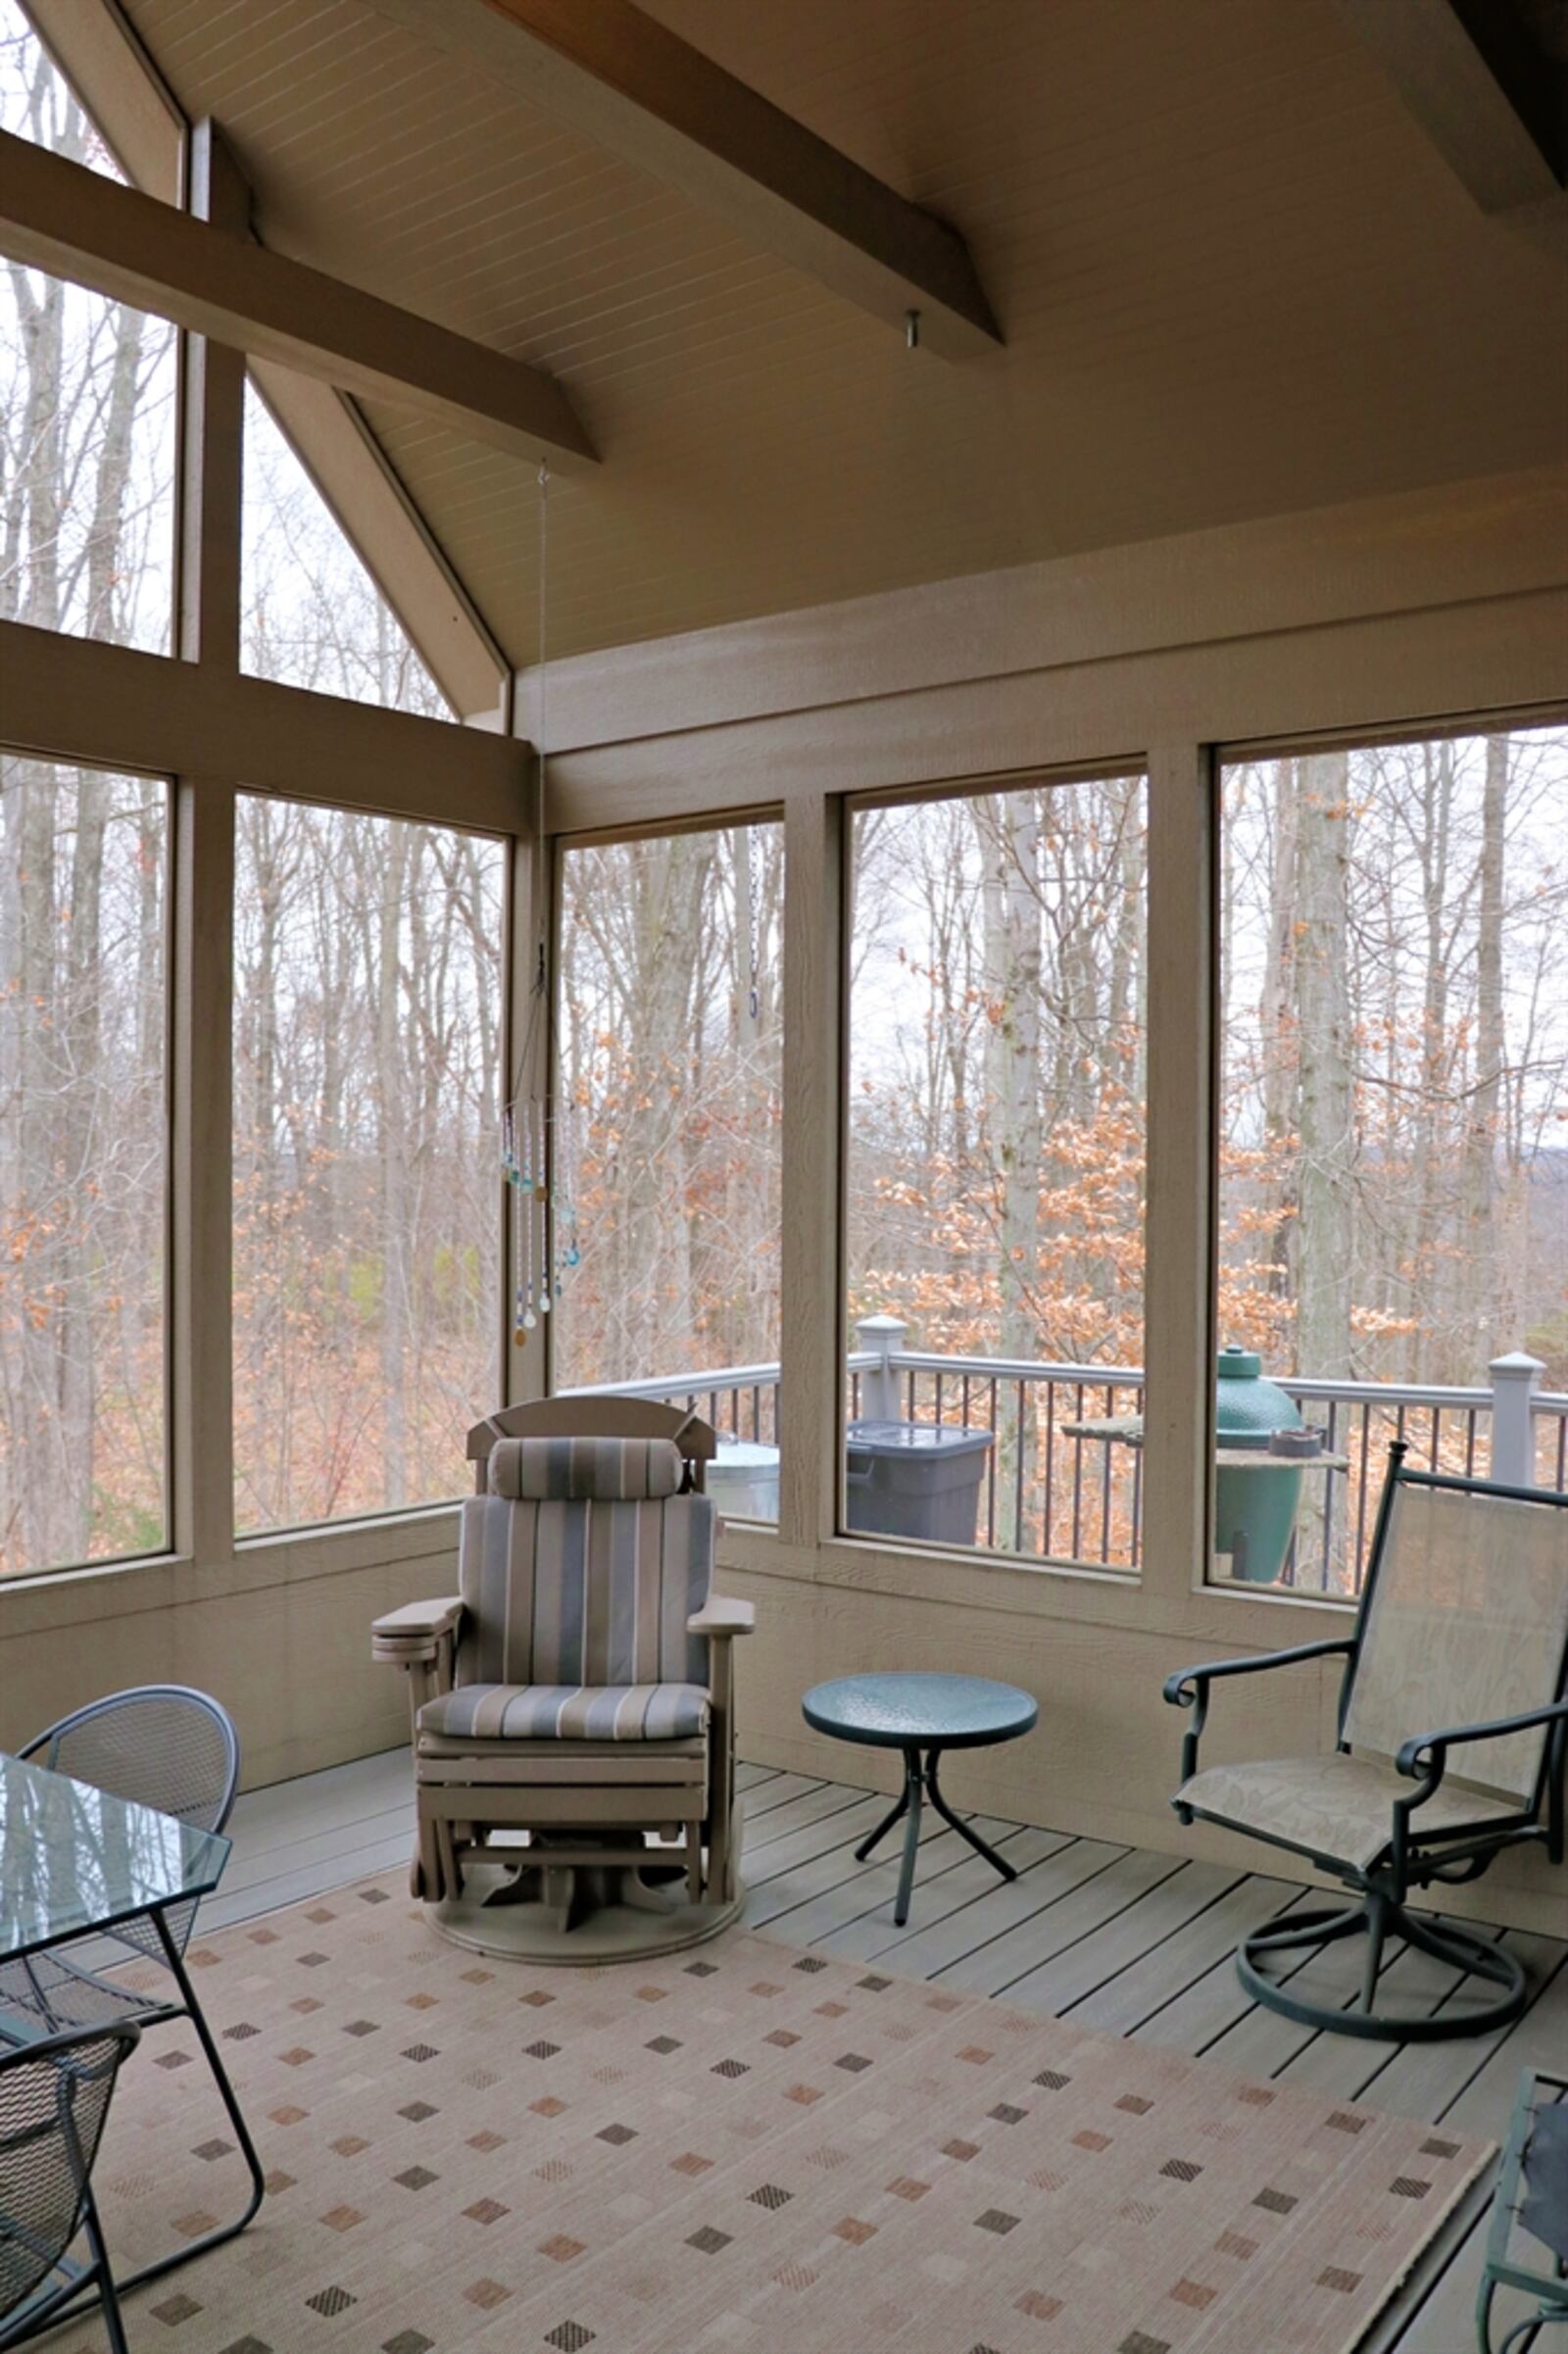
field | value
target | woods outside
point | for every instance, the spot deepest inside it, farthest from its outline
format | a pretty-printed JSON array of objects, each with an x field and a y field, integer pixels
[{"x": 1393, "y": 1152}]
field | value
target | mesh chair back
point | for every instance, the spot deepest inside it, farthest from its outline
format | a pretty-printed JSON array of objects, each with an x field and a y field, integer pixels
[
  {"x": 159, "y": 1745},
  {"x": 566, "y": 1587},
  {"x": 54, "y": 2097},
  {"x": 1468, "y": 1620}
]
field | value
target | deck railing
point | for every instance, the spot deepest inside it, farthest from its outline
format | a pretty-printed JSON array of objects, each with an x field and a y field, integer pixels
[{"x": 1052, "y": 1493}]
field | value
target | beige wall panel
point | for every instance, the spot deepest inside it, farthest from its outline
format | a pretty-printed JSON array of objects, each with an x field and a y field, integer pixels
[{"x": 290, "y": 1659}]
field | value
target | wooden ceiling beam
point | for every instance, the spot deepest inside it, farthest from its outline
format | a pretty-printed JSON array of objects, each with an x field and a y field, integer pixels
[
  {"x": 634, "y": 87},
  {"x": 1490, "y": 100},
  {"x": 73, "y": 223}
]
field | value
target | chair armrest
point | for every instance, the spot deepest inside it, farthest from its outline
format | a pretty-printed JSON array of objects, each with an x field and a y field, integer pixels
[
  {"x": 722, "y": 1616},
  {"x": 417, "y": 1631},
  {"x": 1189, "y": 1686},
  {"x": 1188, "y": 1683},
  {"x": 1413, "y": 1759}
]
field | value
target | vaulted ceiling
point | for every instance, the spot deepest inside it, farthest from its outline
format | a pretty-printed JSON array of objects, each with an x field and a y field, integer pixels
[{"x": 1233, "y": 275}]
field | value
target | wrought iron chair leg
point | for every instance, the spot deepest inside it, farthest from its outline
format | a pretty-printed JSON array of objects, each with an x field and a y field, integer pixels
[{"x": 108, "y": 2296}]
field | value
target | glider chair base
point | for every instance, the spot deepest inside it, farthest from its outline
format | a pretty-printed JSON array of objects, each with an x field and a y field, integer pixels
[
  {"x": 1377, "y": 1918},
  {"x": 552, "y": 1902}
]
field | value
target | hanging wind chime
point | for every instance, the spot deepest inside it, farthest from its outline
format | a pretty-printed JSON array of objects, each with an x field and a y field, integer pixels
[{"x": 535, "y": 1156}]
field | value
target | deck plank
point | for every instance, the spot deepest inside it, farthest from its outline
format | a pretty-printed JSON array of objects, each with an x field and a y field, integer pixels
[
  {"x": 1143, "y": 1927},
  {"x": 925, "y": 1949},
  {"x": 1007, "y": 1964},
  {"x": 1208, "y": 1942},
  {"x": 936, "y": 1895}
]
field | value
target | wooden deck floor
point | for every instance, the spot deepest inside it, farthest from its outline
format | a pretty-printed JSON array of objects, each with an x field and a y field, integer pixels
[{"x": 1127, "y": 1942}]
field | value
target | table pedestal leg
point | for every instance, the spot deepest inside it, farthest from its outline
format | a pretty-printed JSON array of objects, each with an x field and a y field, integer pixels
[
  {"x": 913, "y": 1786},
  {"x": 999, "y": 1862}
]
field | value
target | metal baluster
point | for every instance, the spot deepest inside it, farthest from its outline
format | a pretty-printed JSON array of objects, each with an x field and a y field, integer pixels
[
  {"x": 1137, "y": 1503},
  {"x": 991, "y": 1471},
  {"x": 1051, "y": 1460},
  {"x": 1104, "y": 1501},
  {"x": 909, "y": 1407},
  {"x": 1078, "y": 1480},
  {"x": 1470, "y": 1443},
  {"x": 1562, "y": 1454},
  {"x": 965, "y": 1396},
  {"x": 1329, "y": 1493},
  {"x": 1017, "y": 1478},
  {"x": 938, "y": 1397},
  {"x": 1358, "y": 1566},
  {"x": 1437, "y": 1418}
]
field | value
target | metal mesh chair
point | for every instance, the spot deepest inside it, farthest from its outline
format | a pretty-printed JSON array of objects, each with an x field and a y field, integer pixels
[
  {"x": 54, "y": 2099},
  {"x": 165, "y": 1746},
  {"x": 1452, "y": 1747}
]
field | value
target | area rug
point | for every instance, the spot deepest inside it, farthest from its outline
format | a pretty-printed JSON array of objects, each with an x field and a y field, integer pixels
[{"x": 749, "y": 2149}]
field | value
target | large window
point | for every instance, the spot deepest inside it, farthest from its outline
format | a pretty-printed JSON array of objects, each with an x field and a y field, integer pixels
[
  {"x": 87, "y": 413},
  {"x": 83, "y": 1125},
  {"x": 1393, "y": 1169},
  {"x": 669, "y": 1032},
  {"x": 368, "y": 1035},
  {"x": 995, "y": 1233}
]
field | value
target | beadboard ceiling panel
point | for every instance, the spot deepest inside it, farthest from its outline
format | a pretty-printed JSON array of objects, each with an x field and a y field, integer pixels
[{"x": 1233, "y": 276}]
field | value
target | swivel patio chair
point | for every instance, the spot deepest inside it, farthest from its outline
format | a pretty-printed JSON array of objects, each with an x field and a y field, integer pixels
[
  {"x": 165, "y": 1746},
  {"x": 578, "y": 1689},
  {"x": 54, "y": 2099},
  {"x": 1452, "y": 1734}
]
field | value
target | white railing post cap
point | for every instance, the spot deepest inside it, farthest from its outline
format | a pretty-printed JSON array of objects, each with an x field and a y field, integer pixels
[
  {"x": 883, "y": 1331},
  {"x": 1518, "y": 1366}
]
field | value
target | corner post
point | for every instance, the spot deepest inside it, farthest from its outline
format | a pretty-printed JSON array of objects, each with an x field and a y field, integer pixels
[{"x": 1515, "y": 1378}]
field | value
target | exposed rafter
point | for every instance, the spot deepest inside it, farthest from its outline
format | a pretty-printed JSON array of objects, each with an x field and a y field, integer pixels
[
  {"x": 1492, "y": 99},
  {"x": 62, "y": 218},
  {"x": 639, "y": 91}
]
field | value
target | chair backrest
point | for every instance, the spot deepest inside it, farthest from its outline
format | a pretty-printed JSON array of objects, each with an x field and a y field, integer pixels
[
  {"x": 597, "y": 1418},
  {"x": 581, "y": 1562},
  {"x": 54, "y": 2098},
  {"x": 158, "y": 1745},
  {"x": 1465, "y": 1620}
]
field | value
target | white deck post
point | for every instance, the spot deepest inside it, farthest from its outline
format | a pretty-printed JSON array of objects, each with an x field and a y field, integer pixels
[
  {"x": 1514, "y": 1380},
  {"x": 879, "y": 1384}
]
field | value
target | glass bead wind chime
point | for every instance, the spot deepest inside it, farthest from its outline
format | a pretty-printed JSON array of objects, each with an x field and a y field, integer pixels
[{"x": 535, "y": 1156}]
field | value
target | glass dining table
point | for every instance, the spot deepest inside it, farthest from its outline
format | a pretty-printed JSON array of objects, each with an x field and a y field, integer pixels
[{"x": 88, "y": 1881}]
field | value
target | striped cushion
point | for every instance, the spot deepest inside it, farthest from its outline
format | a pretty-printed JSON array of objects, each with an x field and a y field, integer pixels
[
  {"x": 584, "y": 1592},
  {"x": 569, "y": 1712},
  {"x": 615, "y": 1470}
]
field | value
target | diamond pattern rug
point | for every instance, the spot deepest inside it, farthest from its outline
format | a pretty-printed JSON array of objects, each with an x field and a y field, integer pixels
[{"x": 746, "y": 2149}]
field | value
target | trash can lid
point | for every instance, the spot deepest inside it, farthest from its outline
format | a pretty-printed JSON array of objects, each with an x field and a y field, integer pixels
[
  {"x": 741, "y": 1454},
  {"x": 917, "y": 1438}
]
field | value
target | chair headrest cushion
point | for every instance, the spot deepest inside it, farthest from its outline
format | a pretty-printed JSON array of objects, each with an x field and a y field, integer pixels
[{"x": 607, "y": 1470}]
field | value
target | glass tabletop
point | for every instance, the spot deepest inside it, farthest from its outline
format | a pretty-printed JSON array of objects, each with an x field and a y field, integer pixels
[{"x": 74, "y": 1858}]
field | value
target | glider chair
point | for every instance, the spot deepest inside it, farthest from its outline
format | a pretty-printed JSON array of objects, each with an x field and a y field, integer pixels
[
  {"x": 578, "y": 1689},
  {"x": 1454, "y": 1727}
]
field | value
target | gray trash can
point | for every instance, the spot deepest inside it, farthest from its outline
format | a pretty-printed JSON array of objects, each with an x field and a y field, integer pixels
[{"x": 916, "y": 1479}]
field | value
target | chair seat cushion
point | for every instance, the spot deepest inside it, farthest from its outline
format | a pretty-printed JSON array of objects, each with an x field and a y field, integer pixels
[
  {"x": 1339, "y": 1806},
  {"x": 569, "y": 1712}
]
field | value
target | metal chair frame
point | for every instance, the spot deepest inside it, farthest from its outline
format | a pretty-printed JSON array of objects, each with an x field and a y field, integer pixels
[
  {"x": 156, "y": 2012},
  {"x": 1412, "y": 1858},
  {"x": 47, "y": 2305}
]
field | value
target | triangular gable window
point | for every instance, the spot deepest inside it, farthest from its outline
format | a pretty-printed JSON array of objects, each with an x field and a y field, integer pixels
[{"x": 310, "y": 614}]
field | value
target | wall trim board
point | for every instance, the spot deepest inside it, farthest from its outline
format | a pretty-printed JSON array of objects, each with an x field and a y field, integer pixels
[
  {"x": 1504, "y": 654},
  {"x": 114, "y": 707},
  {"x": 1459, "y": 543}
]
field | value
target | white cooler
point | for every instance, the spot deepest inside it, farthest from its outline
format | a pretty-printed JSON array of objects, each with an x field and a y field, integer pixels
[{"x": 743, "y": 1480}]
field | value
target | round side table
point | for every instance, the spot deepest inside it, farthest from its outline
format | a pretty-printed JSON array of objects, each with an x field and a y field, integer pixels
[{"x": 922, "y": 1715}]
